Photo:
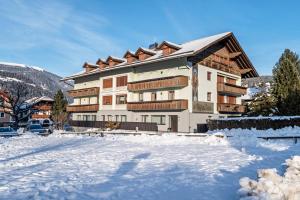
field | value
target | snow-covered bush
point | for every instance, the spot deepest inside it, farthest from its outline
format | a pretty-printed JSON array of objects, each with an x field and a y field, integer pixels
[{"x": 272, "y": 186}]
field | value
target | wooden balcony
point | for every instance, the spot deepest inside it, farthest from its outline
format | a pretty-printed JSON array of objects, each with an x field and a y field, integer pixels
[
  {"x": 37, "y": 116},
  {"x": 231, "y": 108},
  {"x": 83, "y": 108},
  {"x": 220, "y": 66},
  {"x": 161, "y": 83},
  {"x": 42, "y": 107},
  {"x": 169, "y": 105},
  {"x": 94, "y": 91},
  {"x": 227, "y": 88}
]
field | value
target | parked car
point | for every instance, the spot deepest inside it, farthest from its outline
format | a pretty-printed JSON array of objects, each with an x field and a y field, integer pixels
[
  {"x": 69, "y": 128},
  {"x": 37, "y": 129},
  {"x": 8, "y": 132},
  {"x": 47, "y": 124}
]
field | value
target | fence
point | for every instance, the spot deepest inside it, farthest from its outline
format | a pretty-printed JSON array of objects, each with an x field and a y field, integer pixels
[
  {"x": 258, "y": 123},
  {"x": 122, "y": 125}
]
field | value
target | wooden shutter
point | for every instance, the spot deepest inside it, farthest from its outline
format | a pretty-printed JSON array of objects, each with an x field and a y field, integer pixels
[
  {"x": 231, "y": 100},
  {"x": 121, "y": 81},
  {"x": 220, "y": 79},
  {"x": 107, "y": 100},
  {"x": 107, "y": 83},
  {"x": 231, "y": 81},
  {"x": 220, "y": 99}
]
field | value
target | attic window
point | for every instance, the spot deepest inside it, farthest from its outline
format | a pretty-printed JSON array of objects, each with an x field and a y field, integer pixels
[
  {"x": 168, "y": 48},
  {"x": 143, "y": 54}
]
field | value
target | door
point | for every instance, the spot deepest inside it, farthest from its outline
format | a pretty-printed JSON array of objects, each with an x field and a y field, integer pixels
[{"x": 173, "y": 123}]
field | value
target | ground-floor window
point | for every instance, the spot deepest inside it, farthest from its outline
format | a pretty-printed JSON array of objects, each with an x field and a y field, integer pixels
[
  {"x": 1, "y": 115},
  {"x": 117, "y": 118},
  {"x": 123, "y": 118},
  {"x": 79, "y": 117},
  {"x": 144, "y": 118},
  {"x": 159, "y": 119},
  {"x": 109, "y": 118},
  {"x": 103, "y": 117},
  {"x": 93, "y": 117}
]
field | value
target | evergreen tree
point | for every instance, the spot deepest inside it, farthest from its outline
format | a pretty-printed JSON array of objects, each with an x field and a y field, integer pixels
[
  {"x": 286, "y": 87},
  {"x": 59, "y": 114}
]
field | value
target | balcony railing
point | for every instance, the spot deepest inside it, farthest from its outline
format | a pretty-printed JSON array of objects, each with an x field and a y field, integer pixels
[
  {"x": 83, "y": 108},
  {"x": 37, "y": 116},
  {"x": 42, "y": 107},
  {"x": 94, "y": 91},
  {"x": 231, "y": 89},
  {"x": 168, "y": 82},
  {"x": 158, "y": 105},
  {"x": 220, "y": 66},
  {"x": 231, "y": 108}
]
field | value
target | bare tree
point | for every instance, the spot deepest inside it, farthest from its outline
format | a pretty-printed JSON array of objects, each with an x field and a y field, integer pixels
[{"x": 14, "y": 101}]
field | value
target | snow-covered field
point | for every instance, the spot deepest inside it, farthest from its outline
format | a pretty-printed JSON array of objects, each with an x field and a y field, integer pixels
[{"x": 137, "y": 167}]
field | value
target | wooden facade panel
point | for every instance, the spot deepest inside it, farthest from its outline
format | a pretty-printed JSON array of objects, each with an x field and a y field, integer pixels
[
  {"x": 94, "y": 91},
  {"x": 230, "y": 108},
  {"x": 107, "y": 83},
  {"x": 227, "y": 88},
  {"x": 158, "y": 105},
  {"x": 83, "y": 108},
  {"x": 169, "y": 82}
]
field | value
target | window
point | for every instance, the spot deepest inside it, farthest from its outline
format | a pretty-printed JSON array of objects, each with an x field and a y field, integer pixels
[
  {"x": 141, "y": 95},
  {"x": 159, "y": 119},
  {"x": 109, "y": 118},
  {"x": 117, "y": 118},
  {"x": 107, "y": 83},
  {"x": 153, "y": 96},
  {"x": 79, "y": 117},
  {"x": 209, "y": 96},
  {"x": 1, "y": 101},
  {"x": 231, "y": 99},
  {"x": 107, "y": 100},
  {"x": 93, "y": 117},
  {"x": 1, "y": 115},
  {"x": 171, "y": 95},
  {"x": 86, "y": 117},
  {"x": 123, "y": 118},
  {"x": 121, "y": 99},
  {"x": 121, "y": 81},
  {"x": 144, "y": 118},
  {"x": 103, "y": 118},
  {"x": 208, "y": 76}
]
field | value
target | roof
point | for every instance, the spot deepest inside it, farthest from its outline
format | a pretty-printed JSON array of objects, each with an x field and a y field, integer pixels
[
  {"x": 146, "y": 50},
  {"x": 186, "y": 49},
  {"x": 115, "y": 58},
  {"x": 176, "y": 46},
  {"x": 35, "y": 100}
]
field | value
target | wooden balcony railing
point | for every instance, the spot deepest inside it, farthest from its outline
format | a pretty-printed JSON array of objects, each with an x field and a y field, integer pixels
[
  {"x": 158, "y": 105},
  {"x": 94, "y": 91},
  {"x": 83, "y": 108},
  {"x": 168, "y": 82},
  {"x": 220, "y": 66},
  {"x": 42, "y": 107},
  {"x": 231, "y": 89},
  {"x": 37, "y": 116},
  {"x": 231, "y": 108}
]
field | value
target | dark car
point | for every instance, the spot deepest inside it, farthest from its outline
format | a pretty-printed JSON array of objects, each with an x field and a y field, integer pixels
[
  {"x": 37, "y": 129},
  {"x": 8, "y": 132}
]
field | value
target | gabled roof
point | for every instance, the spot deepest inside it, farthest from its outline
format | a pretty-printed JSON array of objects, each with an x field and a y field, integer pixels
[
  {"x": 145, "y": 50},
  {"x": 171, "y": 44},
  {"x": 101, "y": 60},
  {"x": 115, "y": 59},
  {"x": 35, "y": 100},
  {"x": 129, "y": 52},
  {"x": 187, "y": 49},
  {"x": 86, "y": 64}
]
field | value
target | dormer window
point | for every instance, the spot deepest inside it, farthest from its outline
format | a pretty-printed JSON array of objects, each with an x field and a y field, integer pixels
[
  {"x": 130, "y": 57},
  {"x": 168, "y": 48},
  {"x": 143, "y": 53},
  {"x": 102, "y": 63},
  {"x": 112, "y": 61},
  {"x": 89, "y": 67}
]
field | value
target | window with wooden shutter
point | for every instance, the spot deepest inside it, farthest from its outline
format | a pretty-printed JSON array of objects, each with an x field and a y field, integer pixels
[
  {"x": 107, "y": 83},
  {"x": 121, "y": 81},
  {"x": 231, "y": 100},
  {"x": 220, "y": 79},
  {"x": 107, "y": 100},
  {"x": 220, "y": 98},
  {"x": 231, "y": 81}
]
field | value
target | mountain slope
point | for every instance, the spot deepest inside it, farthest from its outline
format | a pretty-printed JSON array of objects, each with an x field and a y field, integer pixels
[{"x": 39, "y": 81}]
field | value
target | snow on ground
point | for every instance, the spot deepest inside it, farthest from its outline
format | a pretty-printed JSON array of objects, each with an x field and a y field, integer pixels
[
  {"x": 135, "y": 167},
  {"x": 271, "y": 185}
]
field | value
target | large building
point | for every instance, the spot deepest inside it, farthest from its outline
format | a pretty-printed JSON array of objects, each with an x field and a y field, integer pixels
[{"x": 176, "y": 86}]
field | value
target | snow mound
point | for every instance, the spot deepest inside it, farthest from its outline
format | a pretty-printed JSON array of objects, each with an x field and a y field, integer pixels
[{"x": 271, "y": 186}]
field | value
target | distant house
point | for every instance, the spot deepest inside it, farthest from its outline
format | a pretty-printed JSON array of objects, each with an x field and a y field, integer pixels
[
  {"x": 41, "y": 107},
  {"x": 4, "y": 117}
]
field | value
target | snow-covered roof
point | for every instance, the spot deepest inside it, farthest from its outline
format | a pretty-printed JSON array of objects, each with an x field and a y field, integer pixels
[
  {"x": 146, "y": 50},
  {"x": 38, "y": 99},
  {"x": 185, "y": 49},
  {"x": 115, "y": 58}
]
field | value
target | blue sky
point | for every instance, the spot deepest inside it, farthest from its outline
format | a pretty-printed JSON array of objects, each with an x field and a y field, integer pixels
[{"x": 60, "y": 35}]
